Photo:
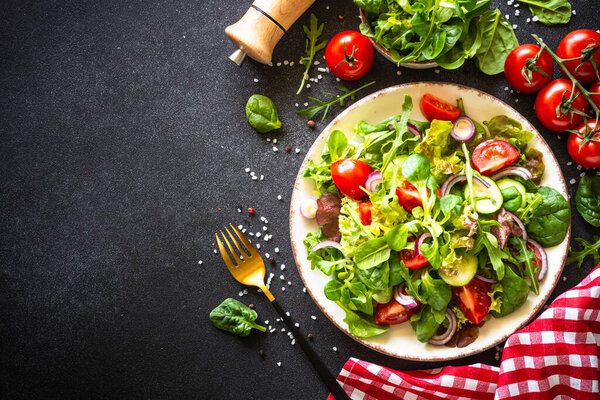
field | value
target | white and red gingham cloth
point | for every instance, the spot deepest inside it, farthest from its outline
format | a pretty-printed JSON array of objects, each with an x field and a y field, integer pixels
[{"x": 556, "y": 356}]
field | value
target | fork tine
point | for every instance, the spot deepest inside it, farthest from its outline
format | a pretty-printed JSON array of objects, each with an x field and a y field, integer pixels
[
  {"x": 235, "y": 255},
  {"x": 251, "y": 249},
  {"x": 242, "y": 251},
  {"x": 224, "y": 254}
]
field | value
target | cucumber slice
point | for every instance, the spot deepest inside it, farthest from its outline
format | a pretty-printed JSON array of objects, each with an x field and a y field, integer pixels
[
  {"x": 465, "y": 271},
  {"x": 507, "y": 182},
  {"x": 487, "y": 200}
]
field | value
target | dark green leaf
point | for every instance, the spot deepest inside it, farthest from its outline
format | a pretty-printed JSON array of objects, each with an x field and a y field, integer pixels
[
  {"x": 551, "y": 219},
  {"x": 262, "y": 113},
  {"x": 235, "y": 317},
  {"x": 587, "y": 199},
  {"x": 372, "y": 253}
]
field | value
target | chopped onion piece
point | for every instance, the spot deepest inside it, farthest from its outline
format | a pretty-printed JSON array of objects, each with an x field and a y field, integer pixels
[
  {"x": 327, "y": 243},
  {"x": 404, "y": 299},
  {"x": 544, "y": 256},
  {"x": 463, "y": 129},
  {"x": 485, "y": 280},
  {"x": 454, "y": 179},
  {"x": 518, "y": 171},
  {"x": 308, "y": 208},
  {"x": 414, "y": 130},
  {"x": 374, "y": 179},
  {"x": 420, "y": 241},
  {"x": 445, "y": 337}
]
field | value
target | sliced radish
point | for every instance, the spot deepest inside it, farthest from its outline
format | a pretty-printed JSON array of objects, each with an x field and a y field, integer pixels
[{"x": 308, "y": 208}]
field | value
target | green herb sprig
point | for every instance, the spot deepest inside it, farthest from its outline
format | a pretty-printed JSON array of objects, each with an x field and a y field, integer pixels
[
  {"x": 310, "y": 112},
  {"x": 312, "y": 47},
  {"x": 589, "y": 249}
]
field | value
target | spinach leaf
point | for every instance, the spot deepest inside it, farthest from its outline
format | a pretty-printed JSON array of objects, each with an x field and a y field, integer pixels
[
  {"x": 360, "y": 326},
  {"x": 395, "y": 270},
  {"x": 372, "y": 253},
  {"x": 375, "y": 278},
  {"x": 512, "y": 199},
  {"x": 426, "y": 323},
  {"x": 503, "y": 127},
  {"x": 587, "y": 199},
  {"x": 497, "y": 41},
  {"x": 262, "y": 113},
  {"x": 550, "y": 220},
  {"x": 550, "y": 12},
  {"x": 514, "y": 293},
  {"x": 435, "y": 292},
  {"x": 235, "y": 317},
  {"x": 337, "y": 144}
]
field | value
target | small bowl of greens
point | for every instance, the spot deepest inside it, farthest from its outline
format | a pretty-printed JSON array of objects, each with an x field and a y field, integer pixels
[
  {"x": 427, "y": 230},
  {"x": 420, "y": 35}
]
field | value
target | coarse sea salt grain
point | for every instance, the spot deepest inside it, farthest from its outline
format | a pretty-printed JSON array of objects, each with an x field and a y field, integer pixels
[
  {"x": 303, "y": 290},
  {"x": 200, "y": 262},
  {"x": 317, "y": 62},
  {"x": 279, "y": 363},
  {"x": 334, "y": 348},
  {"x": 313, "y": 317},
  {"x": 279, "y": 197},
  {"x": 265, "y": 228},
  {"x": 276, "y": 250},
  {"x": 572, "y": 181},
  {"x": 297, "y": 325},
  {"x": 289, "y": 283},
  {"x": 255, "y": 79},
  {"x": 282, "y": 267},
  {"x": 308, "y": 85},
  {"x": 240, "y": 226},
  {"x": 247, "y": 169},
  {"x": 275, "y": 149},
  {"x": 279, "y": 64},
  {"x": 285, "y": 62},
  {"x": 291, "y": 63},
  {"x": 297, "y": 150},
  {"x": 274, "y": 140},
  {"x": 283, "y": 288},
  {"x": 535, "y": 18}
]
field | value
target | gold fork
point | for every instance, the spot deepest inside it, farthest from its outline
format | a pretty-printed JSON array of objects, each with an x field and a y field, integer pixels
[{"x": 248, "y": 268}]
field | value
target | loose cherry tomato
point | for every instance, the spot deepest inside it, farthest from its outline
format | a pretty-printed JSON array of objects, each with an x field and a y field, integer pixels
[
  {"x": 364, "y": 210},
  {"x": 410, "y": 260},
  {"x": 588, "y": 155},
  {"x": 434, "y": 108},
  {"x": 393, "y": 313},
  {"x": 473, "y": 300},
  {"x": 596, "y": 89},
  {"x": 349, "y": 175},
  {"x": 572, "y": 45},
  {"x": 513, "y": 67},
  {"x": 550, "y": 97},
  {"x": 349, "y": 55},
  {"x": 492, "y": 155}
]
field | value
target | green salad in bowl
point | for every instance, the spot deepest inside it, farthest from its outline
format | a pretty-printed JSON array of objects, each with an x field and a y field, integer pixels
[{"x": 439, "y": 224}]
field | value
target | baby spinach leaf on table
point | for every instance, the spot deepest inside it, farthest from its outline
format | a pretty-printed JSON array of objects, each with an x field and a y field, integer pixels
[
  {"x": 360, "y": 326},
  {"x": 550, "y": 12},
  {"x": 587, "y": 199},
  {"x": 514, "y": 293},
  {"x": 313, "y": 32},
  {"x": 497, "y": 41},
  {"x": 372, "y": 253},
  {"x": 551, "y": 219},
  {"x": 262, "y": 113},
  {"x": 235, "y": 317},
  {"x": 589, "y": 249}
]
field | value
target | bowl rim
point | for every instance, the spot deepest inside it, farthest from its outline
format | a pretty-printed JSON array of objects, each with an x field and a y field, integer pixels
[{"x": 296, "y": 252}]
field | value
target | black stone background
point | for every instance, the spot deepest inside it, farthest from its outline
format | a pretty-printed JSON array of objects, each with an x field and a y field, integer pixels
[{"x": 124, "y": 143}]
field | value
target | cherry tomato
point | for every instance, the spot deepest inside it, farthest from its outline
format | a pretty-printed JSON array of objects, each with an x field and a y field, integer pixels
[
  {"x": 473, "y": 300},
  {"x": 513, "y": 67},
  {"x": 349, "y": 55},
  {"x": 408, "y": 196},
  {"x": 550, "y": 97},
  {"x": 492, "y": 155},
  {"x": 588, "y": 155},
  {"x": 393, "y": 313},
  {"x": 410, "y": 260},
  {"x": 571, "y": 47},
  {"x": 434, "y": 108},
  {"x": 596, "y": 89},
  {"x": 349, "y": 175},
  {"x": 364, "y": 210}
]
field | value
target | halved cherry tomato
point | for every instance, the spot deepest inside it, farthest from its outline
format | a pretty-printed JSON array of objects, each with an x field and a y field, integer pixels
[
  {"x": 393, "y": 313},
  {"x": 571, "y": 47},
  {"x": 410, "y": 260},
  {"x": 364, "y": 210},
  {"x": 513, "y": 67},
  {"x": 434, "y": 108},
  {"x": 349, "y": 55},
  {"x": 550, "y": 97},
  {"x": 409, "y": 197},
  {"x": 492, "y": 155},
  {"x": 473, "y": 300},
  {"x": 349, "y": 175},
  {"x": 588, "y": 155},
  {"x": 596, "y": 89}
]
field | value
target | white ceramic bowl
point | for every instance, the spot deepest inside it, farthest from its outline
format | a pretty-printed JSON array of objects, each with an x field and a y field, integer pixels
[{"x": 400, "y": 341}]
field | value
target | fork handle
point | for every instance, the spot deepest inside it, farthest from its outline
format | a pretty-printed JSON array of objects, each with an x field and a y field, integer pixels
[{"x": 332, "y": 384}]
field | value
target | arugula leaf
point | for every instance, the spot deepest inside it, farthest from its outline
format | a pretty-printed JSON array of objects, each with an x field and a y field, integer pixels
[
  {"x": 497, "y": 41},
  {"x": 589, "y": 249},
  {"x": 324, "y": 106},
  {"x": 374, "y": 6},
  {"x": 401, "y": 127},
  {"x": 372, "y": 253},
  {"x": 587, "y": 199},
  {"x": 312, "y": 47},
  {"x": 527, "y": 256},
  {"x": 550, "y": 12},
  {"x": 496, "y": 254},
  {"x": 235, "y": 317}
]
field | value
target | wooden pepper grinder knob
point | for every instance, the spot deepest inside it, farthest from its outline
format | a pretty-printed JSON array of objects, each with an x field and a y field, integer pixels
[{"x": 259, "y": 30}]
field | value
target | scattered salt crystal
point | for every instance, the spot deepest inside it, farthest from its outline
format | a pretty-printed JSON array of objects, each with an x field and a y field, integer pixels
[
  {"x": 337, "y": 79},
  {"x": 289, "y": 283},
  {"x": 276, "y": 250},
  {"x": 517, "y": 12},
  {"x": 574, "y": 12},
  {"x": 240, "y": 226},
  {"x": 274, "y": 140},
  {"x": 262, "y": 177},
  {"x": 240, "y": 294},
  {"x": 200, "y": 262},
  {"x": 317, "y": 62},
  {"x": 254, "y": 177},
  {"x": 279, "y": 363},
  {"x": 251, "y": 233},
  {"x": 255, "y": 80},
  {"x": 268, "y": 139},
  {"x": 296, "y": 104},
  {"x": 293, "y": 342},
  {"x": 244, "y": 230},
  {"x": 275, "y": 149},
  {"x": 265, "y": 228},
  {"x": 570, "y": 163},
  {"x": 297, "y": 325},
  {"x": 516, "y": 100},
  {"x": 285, "y": 62},
  {"x": 437, "y": 71},
  {"x": 291, "y": 63},
  {"x": 245, "y": 291},
  {"x": 514, "y": 26},
  {"x": 313, "y": 317},
  {"x": 582, "y": 174},
  {"x": 308, "y": 85},
  {"x": 535, "y": 18},
  {"x": 319, "y": 76},
  {"x": 283, "y": 288},
  {"x": 304, "y": 289},
  {"x": 306, "y": 104},
  {"x": 287, "y": 313},
  {"x": 507, "y": 16},
  {"x": 528, "y": 20},
  {"x": 321, "y": 69},
  {"x": 572, "y": 181},
  {"x": 239, "y": 210},
  {"x": 215, "y": 251},
  {"x": 258, "y": 246},
  {"x": 334, "y": 348},
  {"x": 267, "y": 322},
  {"x": 247, "y": 170},
  {"x": 279, "y": 64},
  {"x": 279, "y": 197},
  {"x": 579, "y": 167},
  {"x": 270, "y": 64},
  {"x": 297, "y": 150}
]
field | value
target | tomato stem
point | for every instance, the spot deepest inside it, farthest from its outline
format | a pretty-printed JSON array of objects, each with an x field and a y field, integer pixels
[{"x": 349, "y": 58}]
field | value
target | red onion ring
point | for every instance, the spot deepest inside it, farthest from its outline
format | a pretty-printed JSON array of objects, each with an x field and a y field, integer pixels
[
  {"x": 420, "y": 241},
  {"x": 519, "y": 222},
  {"x": 485, "y": 280},
  {"x": 463, "y": 129},
  {"x": 373, "y": 180},
  {"x": 454, "y": 179},
  {"x": 518, "y": 171},
  {"x": 414, "y": 130},
  {"x": 544, "y": 256},
  {"x": 404, "y": 299},
  {"x": 327, "y": 243},
  {"x": 445, "y": 337}
]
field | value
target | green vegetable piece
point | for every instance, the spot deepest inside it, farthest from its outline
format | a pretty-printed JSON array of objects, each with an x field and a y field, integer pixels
[
  {"x": 333, "y": 290},
  {"x": 372, "y": 253},
  {"x": 374, "y": 6},
  {"x": 416, "y": 169},
  {"x": 551, "y": 219},
  {"x": 324, "y": 106},
  {"x": 497, "y": 41},
  {"x": 362, "y": 327},
  {"x": 512, "y": 199},
  {"x": 235, "y": 317},
  {"x": 426, "y": 323},
  {"x": 312, "y": 33},
  {"x": 587, "y": 199},
  {"x": 550, "y": 12},
  {"x": 375, "y": 278},
  {"x": 435, "y": 292},
  {"x": 514, "y": 294},
  {"x": 589, "y": 249},
  {"x": 337, "y": 144},
  {"x": 395, "y": 270},
  {"x": 496, "y": 254},
  {"x": 397, "y": 237},
  {"x": 262, "y": 113}
]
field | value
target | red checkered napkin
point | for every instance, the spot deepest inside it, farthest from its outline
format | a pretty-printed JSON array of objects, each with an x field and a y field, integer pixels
[{"x": 556, "y": 356}]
